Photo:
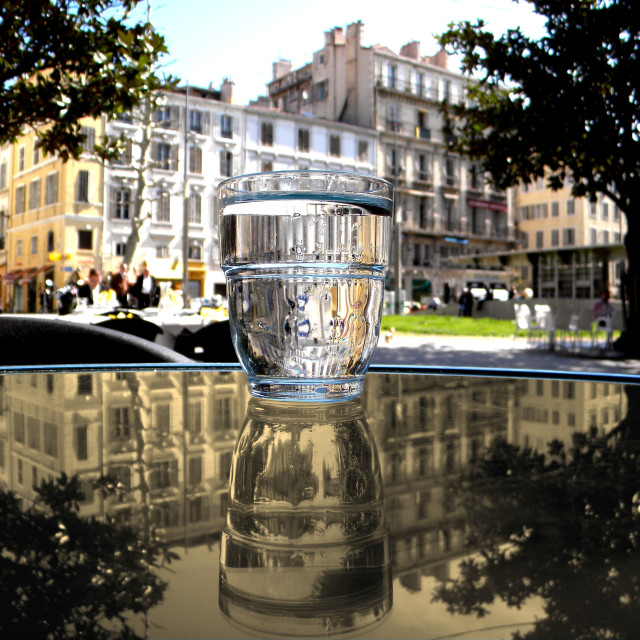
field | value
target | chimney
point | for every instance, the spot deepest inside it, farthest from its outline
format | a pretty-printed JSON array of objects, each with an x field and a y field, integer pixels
[
  {"x": 335, "y": 36},
  {"x": 355, "y": 33},
  {"x": 411, "y": 50},
  {"x": 226, "y": 91},
  {"x": 281, "y": 68},
  {"x": 441, "y": 59}
]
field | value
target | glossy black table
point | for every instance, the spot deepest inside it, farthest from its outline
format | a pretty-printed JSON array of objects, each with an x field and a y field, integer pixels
[{"x": 444, "y": 503}]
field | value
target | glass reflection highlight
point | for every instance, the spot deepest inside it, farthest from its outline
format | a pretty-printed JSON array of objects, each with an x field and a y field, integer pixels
[{"x": 305, "y": 549}]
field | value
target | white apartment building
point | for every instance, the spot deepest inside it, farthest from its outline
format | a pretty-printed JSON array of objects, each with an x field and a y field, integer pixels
[
  {"x": 444, "y": 208},
  {"x": 217, "y": 139}
]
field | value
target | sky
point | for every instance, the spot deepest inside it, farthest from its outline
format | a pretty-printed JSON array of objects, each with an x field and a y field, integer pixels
[{"x": 209, "y": 40}]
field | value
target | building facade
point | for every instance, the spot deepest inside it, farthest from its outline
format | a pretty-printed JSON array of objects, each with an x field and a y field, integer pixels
[{"x": 444, "y": 207}]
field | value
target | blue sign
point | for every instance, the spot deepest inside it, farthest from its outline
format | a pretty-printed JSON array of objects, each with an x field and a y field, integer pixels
[{"x": 68, "y": 269}]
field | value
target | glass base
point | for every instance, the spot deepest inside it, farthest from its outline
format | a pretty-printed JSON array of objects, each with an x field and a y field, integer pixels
[{"x": 298, "y": 390}]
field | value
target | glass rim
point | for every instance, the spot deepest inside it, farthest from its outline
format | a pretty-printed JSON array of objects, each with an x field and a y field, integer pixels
[{"x": 232, "y": 187}]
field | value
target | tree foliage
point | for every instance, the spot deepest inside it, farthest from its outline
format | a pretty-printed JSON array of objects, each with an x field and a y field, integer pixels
[
  {"x": 562, "y": 107},
  {"x": 66, "y": 576},
  {"x": 561, "y": 527},
  {"x": 63, "y": 60}
]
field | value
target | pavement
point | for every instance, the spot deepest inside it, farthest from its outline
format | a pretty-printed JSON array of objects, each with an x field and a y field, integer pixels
[{"x": 496, "y": 353}]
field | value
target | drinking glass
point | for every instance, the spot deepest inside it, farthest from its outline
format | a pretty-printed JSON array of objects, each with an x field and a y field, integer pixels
[
  {"x": 305, "y": 547},
  {"x": 305, "y": 255}
]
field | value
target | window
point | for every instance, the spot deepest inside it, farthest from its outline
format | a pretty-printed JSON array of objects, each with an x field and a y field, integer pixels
[
  {"x": 51, "y": 188},
  {"x": 21, "y": 159},
  {"x": 593, "y": 235},
  {"x": 363, "y": 150},
  {"x": 195, "y": 159},
  {"x": 85, "y": 384},
  {"x": 195, "y": 417},
  {"x": 34, "y": 193},
  {"x": 569, "y": 390},
  {"x": 83, "y": 186},
  {"x": 555, "y": 238},
  {"x": 165, "y": 156},
  {"x": 226, "y": 126},
  {"x": 392, "y": 75},
  {"x": 195, "y": 471},
  {"x": 50, "y": 241},
  {"x": 266, "y": 134},
  {"x": 162, "y": 251},
  {"x": 592, "y": 209},
  {"x": 194, "y": 205},
  {"x": 555, "y": 209},
  {"x": 320, "y": 90},
  {"x": 88, "y": 138},
  {"x": 126, "y": 153},
  {"x": 19, "y": 248},
  {"x": 120, "y": 203},
  {"x": 34, "y": 245},
  {"x": 334, "y": 145},
  {"x": 163, "y": 207},
  {"x": 85, "y": 239},
  {"x": 539, "y": 239},
  {"x": 164, "y": 117},
  {"x": 163, "y": 418},
  {"x": 420, "y": 84},
  {"x": 119, "y": 248},
  {"x": 605, "y": 237},
  {"x": 121, "y": 423},
  {"x": 3, "y": 175},
  {"x": 605, "y": 211},
  {"x": 303, "y": 140},
  {"x": 423, "y": 167},
  {"x": 20, "y": 199},
  {"x": 195, "y": 250},
  {"x": 568, "y": 237},
  {"x": 36, "y": 152},
  {"x": 50, "y": 439},
  {"x": 82, "y": 442},
  {"x": 571, "y": 207},
  {"x": 451, "y": 179},
  {"x": 196, "y": 121},
  {"x": 226, "y": 163}
]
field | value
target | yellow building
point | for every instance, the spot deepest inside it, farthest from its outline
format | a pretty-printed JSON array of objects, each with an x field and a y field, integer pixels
[
  {"x": 55, "y": 218},
  {"x": 554, "y": 221}
]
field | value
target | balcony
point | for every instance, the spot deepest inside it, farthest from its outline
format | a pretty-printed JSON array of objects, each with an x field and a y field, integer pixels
[{"x": 423, "y": 133}]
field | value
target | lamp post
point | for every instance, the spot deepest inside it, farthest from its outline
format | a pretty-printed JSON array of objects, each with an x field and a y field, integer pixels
[
  {"x": 398, "y": 225},
  {"x": 185, "y": 204}
]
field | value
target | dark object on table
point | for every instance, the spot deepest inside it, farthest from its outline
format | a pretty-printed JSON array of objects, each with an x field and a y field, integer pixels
[
  {"x": 212, "y": 343},
  {"x": 133, "y": 326},
  {"x": 37, "y": 341}
]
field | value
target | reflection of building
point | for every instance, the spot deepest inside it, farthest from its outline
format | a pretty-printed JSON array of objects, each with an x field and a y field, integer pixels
[
  {"x": 428, "y": 430},
  {"x": 555, "y": 409},
  {"x": 166, "y": 439}
]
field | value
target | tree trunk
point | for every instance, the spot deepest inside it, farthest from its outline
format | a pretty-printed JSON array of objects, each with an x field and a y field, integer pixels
[{"x": 631, "y": 288}]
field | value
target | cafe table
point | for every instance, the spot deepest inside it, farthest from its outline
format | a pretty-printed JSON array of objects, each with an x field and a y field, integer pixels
[{"x": 470, "y": 503}]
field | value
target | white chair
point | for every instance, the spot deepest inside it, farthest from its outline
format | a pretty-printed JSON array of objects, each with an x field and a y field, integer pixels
[
  {"x": 524, "y": 320},
  {"x": 562, "y": 321},
  {"x": 580, "y": 323},
  {"x": 544, "y": 325},
  {"x": 604, "y": 325}
]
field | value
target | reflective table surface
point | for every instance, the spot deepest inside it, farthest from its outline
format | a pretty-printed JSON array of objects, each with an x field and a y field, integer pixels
[{"x": 167, "y": 503}]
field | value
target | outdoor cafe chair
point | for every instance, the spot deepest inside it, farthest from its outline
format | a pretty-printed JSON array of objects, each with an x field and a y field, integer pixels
[{"x": 44, "y": 341}]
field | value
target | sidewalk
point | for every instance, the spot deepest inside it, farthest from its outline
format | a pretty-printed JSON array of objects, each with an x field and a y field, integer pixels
[{"x": 494, "y": 353}]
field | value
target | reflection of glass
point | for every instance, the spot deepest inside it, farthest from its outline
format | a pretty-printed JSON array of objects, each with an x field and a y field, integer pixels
[{"x": 305, "y": 548}]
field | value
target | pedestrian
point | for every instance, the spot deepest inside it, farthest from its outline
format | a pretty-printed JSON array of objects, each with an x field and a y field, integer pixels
[
  {"x": 120, "y": 284},
  {"x": 602, "y": 307},
  {"x": 145, "y": 290}
]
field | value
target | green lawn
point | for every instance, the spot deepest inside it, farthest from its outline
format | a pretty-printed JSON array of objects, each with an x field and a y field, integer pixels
[{"x": 450, "y": 325}]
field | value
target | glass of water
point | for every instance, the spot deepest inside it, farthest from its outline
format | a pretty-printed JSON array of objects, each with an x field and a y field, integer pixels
[{"x": 305, "y": 255}]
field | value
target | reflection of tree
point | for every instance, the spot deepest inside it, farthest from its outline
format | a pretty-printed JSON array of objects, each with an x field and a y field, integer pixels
[
  {"x": 564, "y": 527},
  {"x": 63, "y": 576}
]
